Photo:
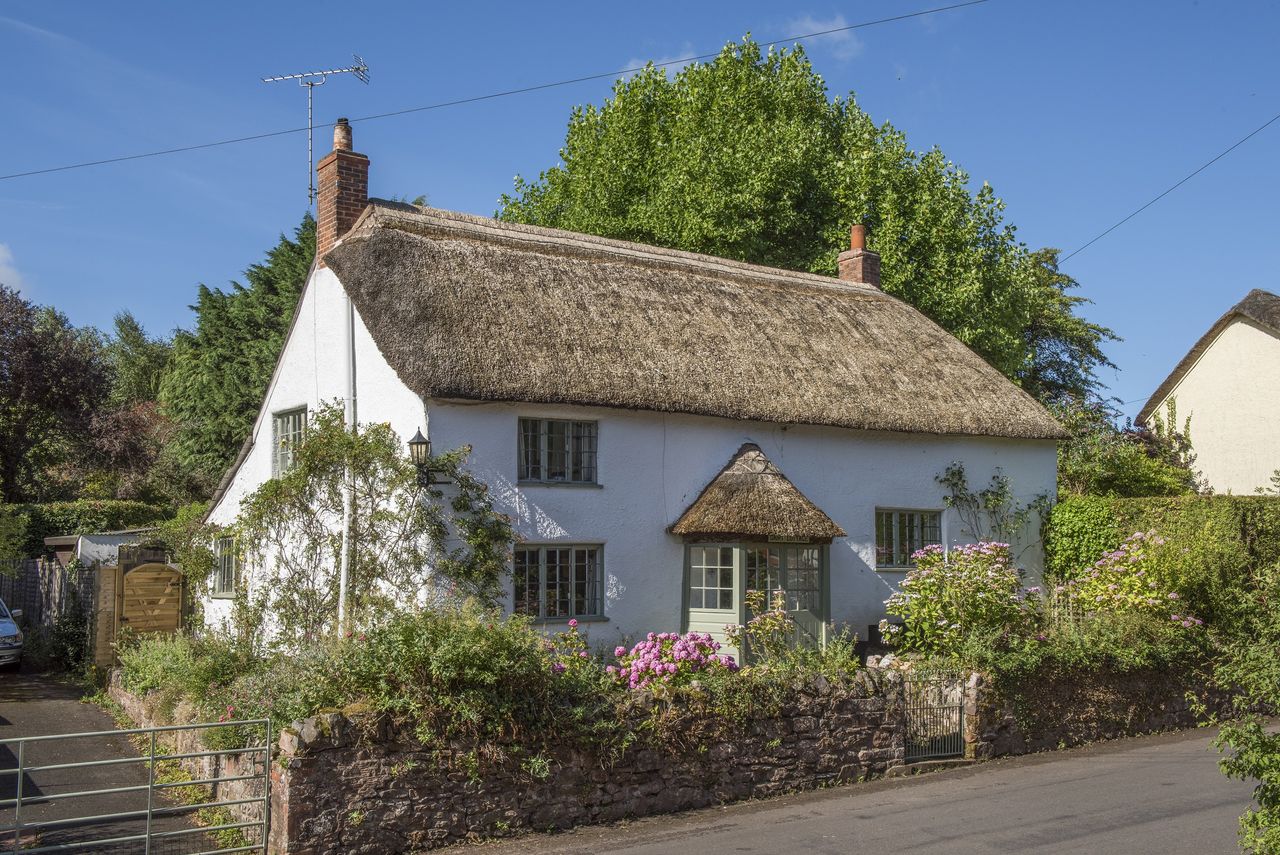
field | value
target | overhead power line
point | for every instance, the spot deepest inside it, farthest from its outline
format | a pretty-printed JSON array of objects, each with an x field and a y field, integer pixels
[
  {"x": 477, "y": 98},
  {"x": 1202, "y": 168}
]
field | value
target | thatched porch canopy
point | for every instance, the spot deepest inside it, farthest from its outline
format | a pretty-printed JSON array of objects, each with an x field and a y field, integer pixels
[
  {"x": 472, "y": 308},
  {"x": 752, "y": 499}
]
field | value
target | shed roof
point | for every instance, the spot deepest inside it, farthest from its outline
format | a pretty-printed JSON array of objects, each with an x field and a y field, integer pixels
[
  {"x": 752, "y": 498},
  {"x": 1261, "y": 307},
  {"x": 473, "y": 308}
]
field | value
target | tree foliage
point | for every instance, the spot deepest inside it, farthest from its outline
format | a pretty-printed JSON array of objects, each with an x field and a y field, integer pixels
[
  {"x": 405, "y": 539},
  {"x": 746, "y": 157},
  {"x": 1101, "y": 459},
  {"x": 220, "y": 370},
  {"x": 52, "y": 376}
]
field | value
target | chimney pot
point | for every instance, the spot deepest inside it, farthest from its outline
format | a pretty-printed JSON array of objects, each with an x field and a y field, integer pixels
[
  {"x": 857, "y": 263},
  {"x": 342, "y": 190},
  {"x": 341, "y": 135},
  {"x": 858, "y": 236}
]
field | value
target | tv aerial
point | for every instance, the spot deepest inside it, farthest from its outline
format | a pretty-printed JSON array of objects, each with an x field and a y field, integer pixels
[{"x": 312, "y": 79}]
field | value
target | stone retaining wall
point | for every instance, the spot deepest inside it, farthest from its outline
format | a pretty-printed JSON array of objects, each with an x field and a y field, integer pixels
[
  {"x": 345, "y": 789},
  {"x": 1063, "y": 710}
]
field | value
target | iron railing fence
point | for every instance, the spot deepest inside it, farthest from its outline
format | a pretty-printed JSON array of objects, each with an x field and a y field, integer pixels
[
  {"x": 153, "y": 829},
  {"x": 935, "y": 716}
]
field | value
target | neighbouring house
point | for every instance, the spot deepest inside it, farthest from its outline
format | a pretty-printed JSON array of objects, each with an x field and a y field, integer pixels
[
  {"x": 667, "y": 430},
  {"x": 1228, "y": 384}
]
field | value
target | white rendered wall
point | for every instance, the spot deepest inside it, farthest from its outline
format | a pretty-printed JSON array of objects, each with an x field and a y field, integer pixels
[
  {"x": 1232, "y": 394},
  {"x": 652, "y": 466},
  {"x": 313, "y": 370}
]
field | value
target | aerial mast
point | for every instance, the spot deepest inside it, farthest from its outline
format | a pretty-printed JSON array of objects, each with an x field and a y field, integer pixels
[{"x": 312, "y": 79}]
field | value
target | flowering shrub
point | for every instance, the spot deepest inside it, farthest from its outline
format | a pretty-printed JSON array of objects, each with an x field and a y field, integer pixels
[
  {"x": 569, "y": 651},
  {"x": 949, "y": 596},
  {"x": 770, "y": 632},
  {"x": 1125, "y": 580},
  {"x": 669, "y": 658}
]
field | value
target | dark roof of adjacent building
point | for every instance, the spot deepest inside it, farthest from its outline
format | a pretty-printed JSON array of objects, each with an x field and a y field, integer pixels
[
  {"x": 472, "y": 308},
  {"x": 1261, "y": 307},
  {"x": 752, "y": 498}
]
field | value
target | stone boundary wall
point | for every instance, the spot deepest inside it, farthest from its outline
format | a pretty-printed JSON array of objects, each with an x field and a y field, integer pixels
[
  {"x": 345, "y": 789},
  {"x": 144, "y": 713},
  {"x": 1065, "y": 710}
]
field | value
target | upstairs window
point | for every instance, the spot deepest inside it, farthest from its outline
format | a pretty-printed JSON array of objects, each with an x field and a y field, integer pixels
[
  {"x": 899, "y": 533},
  {"x": 557, "y": 451},
  {"x": 225, "y": 568},
  {"x": 287, "y": 429},
  {"x": 558, "y": 582}
]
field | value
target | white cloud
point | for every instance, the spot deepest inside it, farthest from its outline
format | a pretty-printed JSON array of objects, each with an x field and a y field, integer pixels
[
  {"x": 844, "y": 46},
  {"x": 669, "y": 63},
  {"x": 9, "y": 274}
]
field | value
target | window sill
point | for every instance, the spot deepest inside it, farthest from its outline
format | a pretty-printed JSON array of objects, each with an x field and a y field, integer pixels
[
  {"x": 579, "y": 484},
  {"x": 564, "y": 620},
  {"x": 222, "y": 596},
  {"x": 894, "y": 569}
]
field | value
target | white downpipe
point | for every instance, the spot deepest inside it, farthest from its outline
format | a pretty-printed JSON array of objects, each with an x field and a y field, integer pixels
[{"x": 348, "y": 498}]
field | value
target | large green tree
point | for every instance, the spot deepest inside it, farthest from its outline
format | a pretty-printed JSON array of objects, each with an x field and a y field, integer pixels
[
  {"x": 219, "y": 371},
  {"x": 52, "y": 379},
  {"x": 748, "y": 157}
]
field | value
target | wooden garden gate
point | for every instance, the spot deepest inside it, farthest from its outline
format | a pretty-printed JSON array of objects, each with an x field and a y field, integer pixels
[{"x": 143, "y": 592}]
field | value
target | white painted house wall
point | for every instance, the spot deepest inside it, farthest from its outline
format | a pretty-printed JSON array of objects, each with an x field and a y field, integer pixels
[
  {"x": 313, "y": 370},
  {"x": 651, "y": 467},
  {"x": 1232, "y": 394}
]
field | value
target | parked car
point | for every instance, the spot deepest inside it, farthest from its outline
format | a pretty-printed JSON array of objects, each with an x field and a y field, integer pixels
[{"x": 10, "y": 637}]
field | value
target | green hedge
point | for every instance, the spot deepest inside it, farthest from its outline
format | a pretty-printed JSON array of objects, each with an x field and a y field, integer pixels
[
  {"x": 1214, "y": 544},
  {"x": 23, "y": 528}
]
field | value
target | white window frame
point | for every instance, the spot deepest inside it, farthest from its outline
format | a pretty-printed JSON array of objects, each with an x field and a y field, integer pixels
[
  {"x": 532, "y": 465},
  {"x": 593, "y": 598},
  {"x": 904, "y": 562},
  {"x": 226, "y": 569},
  {"x": 281, "y": 450}
]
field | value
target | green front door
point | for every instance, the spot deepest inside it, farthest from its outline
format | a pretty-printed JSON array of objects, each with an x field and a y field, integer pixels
[{"x": 713, "y": 595}]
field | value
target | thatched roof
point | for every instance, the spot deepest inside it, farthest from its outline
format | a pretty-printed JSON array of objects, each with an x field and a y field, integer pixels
[
  {"x": 1261, "y": 307},
  {"x": 472, "y": 308},
  {"x": 751, "y": 498}
]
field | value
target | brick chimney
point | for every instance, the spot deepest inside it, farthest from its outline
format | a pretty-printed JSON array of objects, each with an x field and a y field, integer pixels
[
  {"x": 342, "y": 190},
  {"x": 857, "y": 263}
]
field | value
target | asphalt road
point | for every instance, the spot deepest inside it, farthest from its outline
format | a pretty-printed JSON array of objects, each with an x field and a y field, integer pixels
[
  {"x": 1160, "y": 794},
  {"x": 31, "y": 705}
]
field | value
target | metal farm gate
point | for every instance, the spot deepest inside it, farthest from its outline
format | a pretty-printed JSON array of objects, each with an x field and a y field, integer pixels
[
  {"x": 935, "y": 716},
  {"x": 116, "y": 792}
]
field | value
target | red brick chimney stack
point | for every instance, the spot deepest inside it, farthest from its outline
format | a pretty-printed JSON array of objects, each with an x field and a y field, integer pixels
[
  {"x": 857, "y": 263},
  {"x": 342, "y": 190}
]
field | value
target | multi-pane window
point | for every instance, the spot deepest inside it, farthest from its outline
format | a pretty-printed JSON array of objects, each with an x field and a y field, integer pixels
[
  {"x": 901, "y": 533},
  {"x": 796, "y": 569},
  {"x": 558, "y": 450},
  {"x": 711, "y": 578},
  {"x": 287, "y": 430},
  {"x": 558, "y": 581},
  {"x": 224, "y": 568}
]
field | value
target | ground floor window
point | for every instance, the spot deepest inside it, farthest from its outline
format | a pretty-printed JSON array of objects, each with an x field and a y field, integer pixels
[
  {"x": 558, "y": 581},
  {"x": 712, "y": 580},
  {"x": 225, "y": 569},
  {"x": 899, "y": 533}
]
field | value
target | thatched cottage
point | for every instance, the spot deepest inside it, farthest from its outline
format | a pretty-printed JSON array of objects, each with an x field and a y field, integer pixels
[
  {"x": 667, "y": 429},
  {"x": 1227, "y": 385}
]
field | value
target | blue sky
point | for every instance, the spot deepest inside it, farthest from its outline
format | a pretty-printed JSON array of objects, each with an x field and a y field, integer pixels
[{"x": 1075, "y": 112}]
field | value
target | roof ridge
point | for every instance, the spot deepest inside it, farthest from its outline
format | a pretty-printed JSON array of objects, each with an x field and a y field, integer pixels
[{"x": 544, "y": 238}]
